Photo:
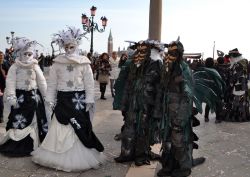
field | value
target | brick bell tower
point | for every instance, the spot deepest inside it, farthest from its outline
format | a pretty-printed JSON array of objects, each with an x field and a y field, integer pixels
[{"x": 110, "y": 44}]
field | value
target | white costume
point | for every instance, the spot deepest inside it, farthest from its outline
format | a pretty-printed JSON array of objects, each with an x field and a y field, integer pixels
[
  {"x": 25, "y": 76},
  {"x": 71, "y": 89},
  {"x": 115, "y": 70},
  {"x": 25, "y": 88}
]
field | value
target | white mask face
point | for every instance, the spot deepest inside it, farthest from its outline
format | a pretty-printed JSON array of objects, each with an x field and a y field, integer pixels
[
  {"x": 70, "y": 49},
  {"x": 27, "y": 56}
]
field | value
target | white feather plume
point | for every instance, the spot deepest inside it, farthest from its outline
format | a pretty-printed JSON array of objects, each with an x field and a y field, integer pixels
[
  {"x": 70, "y": 36},
  {"x": 22, "y": 44}
]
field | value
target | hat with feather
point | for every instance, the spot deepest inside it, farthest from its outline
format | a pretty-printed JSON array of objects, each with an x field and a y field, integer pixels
[
  {"x": 70, "y": 36},
  {"x": 234, "y": 53},
  {"x": 23, "y": 44}
]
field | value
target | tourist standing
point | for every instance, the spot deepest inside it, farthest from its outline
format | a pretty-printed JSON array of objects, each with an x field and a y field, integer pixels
[
  {"x": 114, "y": 62},
  {"x": 104, "y": 68}
]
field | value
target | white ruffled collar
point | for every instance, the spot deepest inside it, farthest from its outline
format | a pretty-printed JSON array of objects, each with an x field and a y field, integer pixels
[
  {"x": 72, "y": 59},
  {"x": 30, "y": 64}
]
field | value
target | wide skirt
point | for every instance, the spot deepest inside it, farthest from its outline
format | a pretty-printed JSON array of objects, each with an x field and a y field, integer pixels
[
  {"x": 62, "y": 150},
  {"x": 20, "y": 142},
  {"x": 26, "y": 126}
]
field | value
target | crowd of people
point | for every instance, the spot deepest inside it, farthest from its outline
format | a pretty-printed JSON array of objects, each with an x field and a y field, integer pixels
[
  {"x": 157, "y": 90},
  {"x": 234, "y": 70}
]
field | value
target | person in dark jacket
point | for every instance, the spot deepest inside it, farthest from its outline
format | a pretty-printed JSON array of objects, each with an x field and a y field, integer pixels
[
  {"x": 209, "y": 63},
  {"x": 224, "y": 71},
  {"x": 104, "y": 69},
  {"x": 119, "y": 86}
]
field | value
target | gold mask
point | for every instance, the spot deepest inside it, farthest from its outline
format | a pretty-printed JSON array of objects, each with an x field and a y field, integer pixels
[
  {"x": 1, "y": 58},
  {"x": 140, "y": 53}
]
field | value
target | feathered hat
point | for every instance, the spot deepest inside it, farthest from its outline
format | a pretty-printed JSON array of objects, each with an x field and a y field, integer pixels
[
  {"x": 234, "y": 53},
  {"x": 176, "y": 45},
  {"x": 151, "y": 43},
  {"x": 70, "y": 36},
  {"x": 23, "y": 44}
]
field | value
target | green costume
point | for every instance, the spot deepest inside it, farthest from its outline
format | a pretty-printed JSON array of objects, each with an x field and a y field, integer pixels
[
  {"x": 138, "y": 104},
  {"x": 180, "y": 88},
  {"x": 120, "y": 84}
]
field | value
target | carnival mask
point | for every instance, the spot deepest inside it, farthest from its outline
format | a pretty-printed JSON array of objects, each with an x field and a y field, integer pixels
[
  {"x": 170, "y": 57},
  {"x": 172, "y": 54},
  {"x": 140, "y": 54},
  {"x": 1, "y": 58},
  {"x": 70, "y": 49},
  {"x": 27, "y": 56}
]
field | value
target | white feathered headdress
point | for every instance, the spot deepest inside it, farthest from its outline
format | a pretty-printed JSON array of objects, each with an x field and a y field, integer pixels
[
  {"x": 71, "y": 36},
  {"x": 23, "y": 44}
]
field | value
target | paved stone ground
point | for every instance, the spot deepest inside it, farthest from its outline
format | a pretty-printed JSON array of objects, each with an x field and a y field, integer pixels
[{"x": 226, "y": 147}]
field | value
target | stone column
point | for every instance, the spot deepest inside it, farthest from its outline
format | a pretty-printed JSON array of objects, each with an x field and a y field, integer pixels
[{"x": 155, "y": 18}]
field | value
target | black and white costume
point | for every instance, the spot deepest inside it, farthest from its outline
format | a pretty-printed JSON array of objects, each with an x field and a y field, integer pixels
[
  {"x": 25, "y": 87},
  {"x": 237, "y": 109},
  {"x": 70, "y": 144}
]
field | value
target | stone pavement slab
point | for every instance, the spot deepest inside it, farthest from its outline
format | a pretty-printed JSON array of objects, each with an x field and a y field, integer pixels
[{"x": 143, "y": 171}]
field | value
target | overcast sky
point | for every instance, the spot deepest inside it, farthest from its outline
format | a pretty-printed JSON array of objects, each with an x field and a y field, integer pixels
[{"x": 198, "y": 22}]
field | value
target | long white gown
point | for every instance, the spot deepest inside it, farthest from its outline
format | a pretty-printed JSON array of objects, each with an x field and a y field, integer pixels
[{"x": 61, "y": 148}]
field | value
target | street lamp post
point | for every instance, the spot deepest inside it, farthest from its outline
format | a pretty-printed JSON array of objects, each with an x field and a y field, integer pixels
[
  {"x": 10, "y": 40},
  {"x": 90, "y": 26},
  {"x": 9, "y": 52}
]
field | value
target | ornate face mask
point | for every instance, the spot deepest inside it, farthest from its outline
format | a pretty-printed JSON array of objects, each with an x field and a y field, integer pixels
[
  {"x": 27, "y": 56},
  {"x": 175, "y": 51},
  {"x": 140, "y": 53},
  {"x": 70, "y": 49},
  {"x": 1, "y": 58},
  {"x": 172, "y": 54}
]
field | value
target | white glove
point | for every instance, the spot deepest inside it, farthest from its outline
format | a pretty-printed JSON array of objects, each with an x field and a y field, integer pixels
[
  {"x": 89, "y": 106},
  {"x": 49, "y": 107},
  {"x": 12, "y": 101}
]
